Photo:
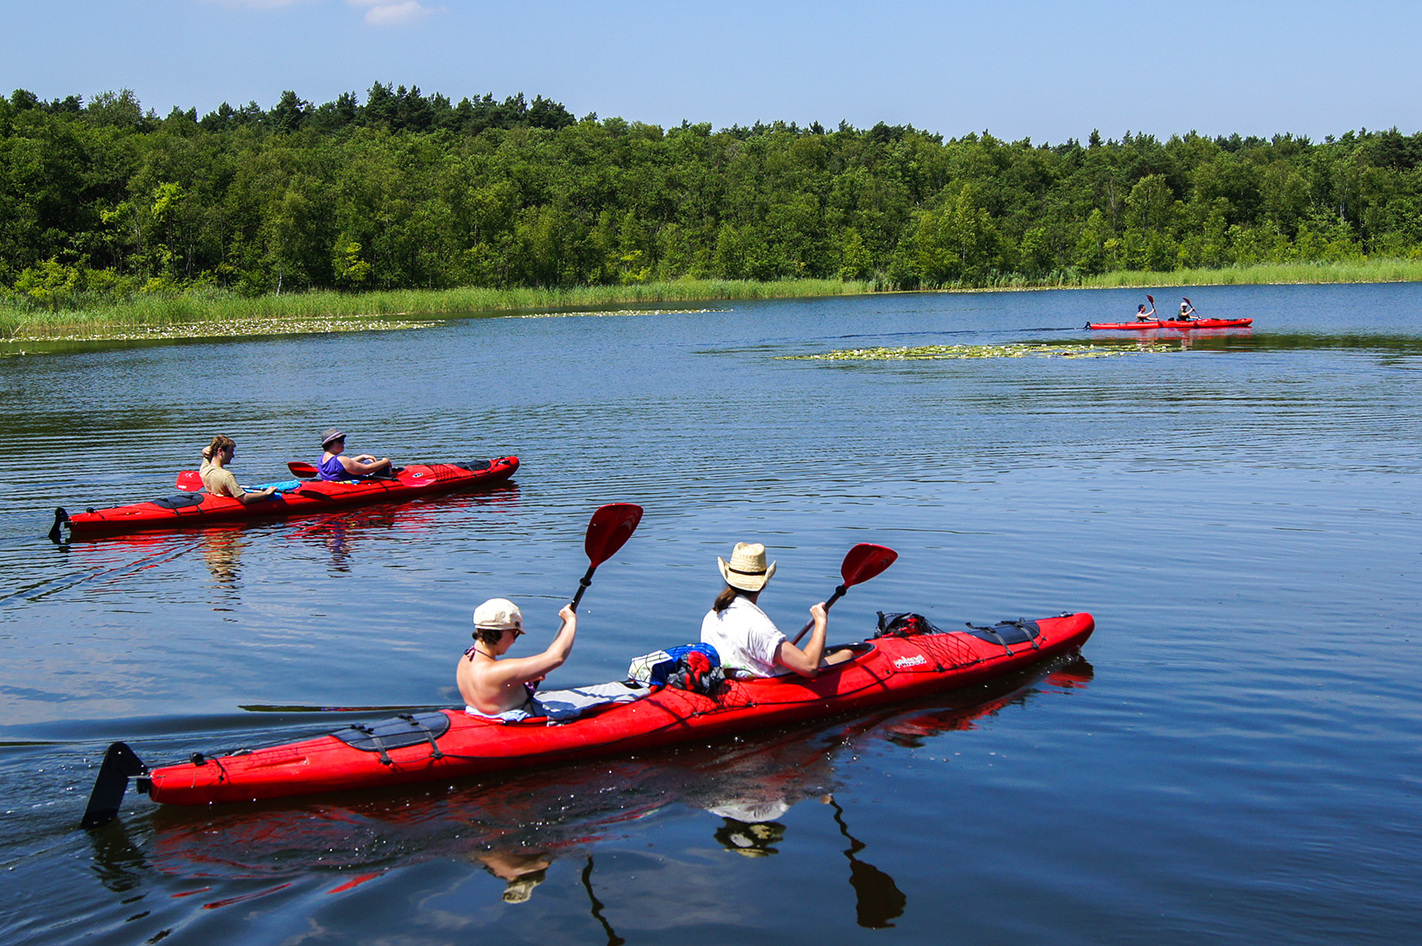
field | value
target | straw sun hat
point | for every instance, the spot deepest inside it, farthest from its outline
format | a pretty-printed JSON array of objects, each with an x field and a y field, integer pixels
[{"x": 746, "y": 570}]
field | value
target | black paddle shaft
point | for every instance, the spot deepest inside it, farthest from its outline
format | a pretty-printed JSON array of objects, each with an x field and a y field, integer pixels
[{"x": 583, "y": 586}]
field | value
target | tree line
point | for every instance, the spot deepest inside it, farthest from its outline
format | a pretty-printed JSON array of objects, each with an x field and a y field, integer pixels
[{"x": 404, "y": 190}]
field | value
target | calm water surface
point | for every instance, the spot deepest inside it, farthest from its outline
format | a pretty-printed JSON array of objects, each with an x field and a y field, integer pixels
[{"x": 1235, "y": 757}]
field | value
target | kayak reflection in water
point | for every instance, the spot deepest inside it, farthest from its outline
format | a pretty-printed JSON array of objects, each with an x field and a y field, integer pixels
[
  {"x": 335, "y": 465},
  {"x": 218, "y": 480},
  {"x": 746, "y": 639},
  {"x": 503, "y": 689}
]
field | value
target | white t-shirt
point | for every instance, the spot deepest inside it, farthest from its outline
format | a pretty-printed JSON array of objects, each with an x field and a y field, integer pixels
[{"x": 744, "y": 637}]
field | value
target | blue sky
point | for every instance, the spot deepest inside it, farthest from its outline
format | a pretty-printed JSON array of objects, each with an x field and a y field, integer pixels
[{"x": 1018, "y": 68}]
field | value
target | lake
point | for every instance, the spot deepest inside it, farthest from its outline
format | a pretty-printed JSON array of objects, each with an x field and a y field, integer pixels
[{"x": 1234, "y": 758}]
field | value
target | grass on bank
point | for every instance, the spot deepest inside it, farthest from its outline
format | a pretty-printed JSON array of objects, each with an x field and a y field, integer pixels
[
  {"x": 335, "y": 311},
  {"x": 219, "y": 312}
]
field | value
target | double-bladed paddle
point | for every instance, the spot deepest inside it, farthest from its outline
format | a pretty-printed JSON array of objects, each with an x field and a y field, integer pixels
[
  {"x": 861, "y": 563},
  {"x": 611, "y": 526},
  {"x": 191, "y": 481}
]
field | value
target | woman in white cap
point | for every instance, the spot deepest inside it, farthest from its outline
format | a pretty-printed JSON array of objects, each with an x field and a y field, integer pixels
[
  {"x": 503, "y": 689},
  {"x": 746, "y": 639},
  {"x": 335, "y": 465}
]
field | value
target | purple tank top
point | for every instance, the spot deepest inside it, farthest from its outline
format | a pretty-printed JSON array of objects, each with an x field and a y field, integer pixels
[{"x": 333, "y": 470}]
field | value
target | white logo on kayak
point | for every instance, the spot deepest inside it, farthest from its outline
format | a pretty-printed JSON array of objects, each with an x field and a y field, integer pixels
[{"x": 914, "y": 661}]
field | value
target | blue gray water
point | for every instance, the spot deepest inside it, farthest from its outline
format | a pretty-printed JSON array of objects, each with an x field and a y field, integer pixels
[{"x": 1234, "y": 759}]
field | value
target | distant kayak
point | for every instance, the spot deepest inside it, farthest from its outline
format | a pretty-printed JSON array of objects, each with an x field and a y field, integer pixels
[
  {"x": 1180, "y": 326},
  {"x": 193, "y": 510}
]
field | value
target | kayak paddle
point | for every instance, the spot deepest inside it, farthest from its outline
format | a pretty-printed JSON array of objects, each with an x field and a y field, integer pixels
[
  {"x": 861, "y": 563},
  {"x": 611, "y": 526},
  {"x": 189, "y": 481},
  {"x": 304, "y": 470}
]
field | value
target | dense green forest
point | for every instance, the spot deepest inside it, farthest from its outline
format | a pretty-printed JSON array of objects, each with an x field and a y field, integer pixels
[{"x": 102, "y": 200}]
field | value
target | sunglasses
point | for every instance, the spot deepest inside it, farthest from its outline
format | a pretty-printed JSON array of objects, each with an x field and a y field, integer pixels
[{"x": 517, "y": 631}]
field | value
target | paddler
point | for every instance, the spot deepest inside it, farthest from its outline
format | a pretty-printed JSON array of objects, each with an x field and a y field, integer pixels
[
  {"x": 1142, "y": 315},
  {"x": 218, "y": 480},
  {"x": 746, "y": 639},
  {"x": 1187, "y": 312},
  {"x": 335, "y": 465},
  {"x": 504, "y": 688}
]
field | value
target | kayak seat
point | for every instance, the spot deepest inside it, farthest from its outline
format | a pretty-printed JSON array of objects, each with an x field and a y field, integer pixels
[
  {"x": 560, "y": 706},
  {"x": 475, "y": 466},
  {"x": 179, "y": 502}
]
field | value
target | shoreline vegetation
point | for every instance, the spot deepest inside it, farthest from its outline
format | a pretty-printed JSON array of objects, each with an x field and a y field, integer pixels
[
  {"x": 116, "y": 223},
  {"x": 215, "y": 313}
]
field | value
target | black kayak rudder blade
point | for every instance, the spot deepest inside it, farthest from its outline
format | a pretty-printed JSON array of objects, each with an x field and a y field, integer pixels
[{"x": 119, "y": 765}]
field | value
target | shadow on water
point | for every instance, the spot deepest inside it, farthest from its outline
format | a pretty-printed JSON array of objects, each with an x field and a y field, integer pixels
[{"x": 515, "y": 829}]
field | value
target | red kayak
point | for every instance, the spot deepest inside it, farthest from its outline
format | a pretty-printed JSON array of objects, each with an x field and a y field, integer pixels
[
  {"x": 1182, "y": 326},
  {"x": 193, "y": 510},
  {"x": 450, "y": 743}
]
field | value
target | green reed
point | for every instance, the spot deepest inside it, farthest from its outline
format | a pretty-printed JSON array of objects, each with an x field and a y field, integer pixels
[
  {"x": 99, "y": 317},
  {"x": 102, "y": 317}
]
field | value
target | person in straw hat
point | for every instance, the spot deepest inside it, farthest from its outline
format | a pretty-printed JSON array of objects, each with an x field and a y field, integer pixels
[
  {"x": 335, "y": 465},
  {"x": 504, "y": 689},
  {"x": 747, "y": 640}
]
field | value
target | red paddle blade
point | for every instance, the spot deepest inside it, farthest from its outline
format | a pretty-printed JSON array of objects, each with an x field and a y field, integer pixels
[
  {"x": 190, "y": 481},
  {"x": 298, "y": 468},
  {"x": 611, "y": 526},
  {"x": 1150, "y": 299},
  {"x": 864, "y": 561}
]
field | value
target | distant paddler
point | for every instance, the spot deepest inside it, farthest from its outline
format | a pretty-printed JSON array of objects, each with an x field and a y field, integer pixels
[{"x": 335, "y": 465}]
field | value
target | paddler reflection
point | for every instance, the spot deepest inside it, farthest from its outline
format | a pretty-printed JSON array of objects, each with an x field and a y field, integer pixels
[
  {"x": 345, "y": 531},
  {"x": 520, "y": 870},
  {"x": 758, "y": 798},
  {"x": 221, "y": 551}
]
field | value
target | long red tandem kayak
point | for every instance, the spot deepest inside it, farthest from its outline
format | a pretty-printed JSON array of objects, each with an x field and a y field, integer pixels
[
  {"x": 451, "y": 743},
  {"x": 1181, "y": 326},
  {"x": 193, "y": 510}
]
